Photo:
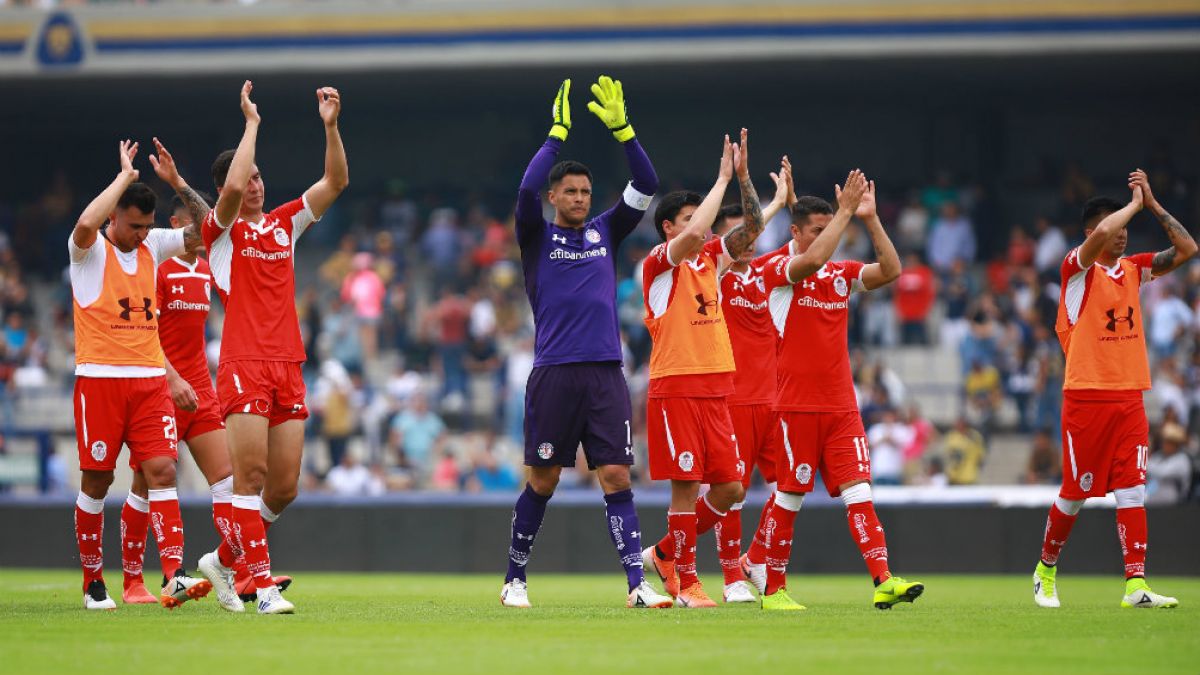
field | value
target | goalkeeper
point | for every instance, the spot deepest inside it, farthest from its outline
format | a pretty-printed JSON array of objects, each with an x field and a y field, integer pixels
[{"x": 577, "y": 392}]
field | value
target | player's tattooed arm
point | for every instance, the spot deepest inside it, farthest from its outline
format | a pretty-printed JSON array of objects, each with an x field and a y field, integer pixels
[
  {"x": 166, "y": 169},
  {"x": 1183, "y": 246},
  {"x": 690, "y": 241},
  {"x": 98, "y": 211},
  {"x": 740, "y": 238}
]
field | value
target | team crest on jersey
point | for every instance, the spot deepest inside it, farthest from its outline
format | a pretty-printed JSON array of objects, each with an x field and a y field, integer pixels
[
  {"x": 803, "y": 474},
  {"x": 281, "y": 237},
  {"x": 592, "y": 235},
  {"x": 1085, "y": 482},
  {"x": 761, "y": 283},
  {"x": 545, "y": 450},
  {"x": 840, "y": 285},
  {"x": 99, "y": 451},
  {"x": 686, "y": 461}
]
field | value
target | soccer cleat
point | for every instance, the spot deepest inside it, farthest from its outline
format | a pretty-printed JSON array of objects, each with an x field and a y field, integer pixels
[
  {"x": 136, "y": 594},
  {"x": 96, "y": 596},
  {"x": 248, "y": 592},
  {"x": 780, "y": 601},
  {"x": 271, "y": 602},
  {"x": 1138, "y": 594},
  {"x": 1045, "y": 592},
  {"x": 694, "y": 597},
  {"x": 515, "y": 593},
  {"x": 896, "y": 590},
  {"x": 221, "y": 578},
  {"x": 757, "y": 574},
  {"x": 739, "y": 591},
  {"x": 182, "y": 588},
  {"x": 644, "y": 596},
  {"x": 665, "y": 570}
]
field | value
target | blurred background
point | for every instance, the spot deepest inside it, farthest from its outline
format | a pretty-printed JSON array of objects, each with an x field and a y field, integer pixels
[{"x": 985, "y": 125}]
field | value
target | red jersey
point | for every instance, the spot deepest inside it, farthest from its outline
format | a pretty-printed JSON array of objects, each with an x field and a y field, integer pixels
[
  {"x": 914, "y": 293},
  {"x": 184, "y": 297},
  {"x": 811, "y": 318},
  {"x": 744, "y": 301},
  {"x": 252, "y": 264}
]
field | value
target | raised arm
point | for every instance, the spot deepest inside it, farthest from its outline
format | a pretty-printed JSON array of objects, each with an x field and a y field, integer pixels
[
  {"x": 1108, "y": 228},
  {"x": 886, "y": 267},
  {"x": 99, "y": 210},
  {"x": 1183, "y": 247},
  {"x": 821, "y": 250},
  {"x": 337, "y": 173},
  {"x": 165, "y": 168},
  {"x": 229, "y": 201},
  {"x": 689, "y": 242},
  {"x": 782, "y": 181},
  {"x": 529, "y": 194},
  {"x": 740, "y": 238}
]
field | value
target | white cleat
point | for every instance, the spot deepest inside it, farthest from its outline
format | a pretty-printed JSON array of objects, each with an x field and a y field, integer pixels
[
  {"x": 515, "y": 594},
  {"x": 644, "y": 596},
  {"x": 1045, "y": 586},
  {"x": 271, "y": 602},
  {"x": 739, "y": 591},
  {"x": 757, "y": 574},
  {"x": 221, "y": 578},
  {"x": 1144, "y": 598},
  {"x": 97, "y": 597}
]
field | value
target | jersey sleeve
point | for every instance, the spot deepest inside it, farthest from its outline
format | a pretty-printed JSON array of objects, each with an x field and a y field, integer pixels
[
  {"x": 210, "y": 229},
  {"x": 295, "y": 216},
  {"x": 80, "y": 255},
  {"x": 853, "y": 273},
  {"x": 165, "y": 243},
  {"x": 1145, "y": 265},
  {"x": 775, "y": 272},
  {"x": 160, "y": 286},
  {"x": 1071, "y": 266},
  {"x": 656, "y": 263},
  {"x": 714, "y": 248}
]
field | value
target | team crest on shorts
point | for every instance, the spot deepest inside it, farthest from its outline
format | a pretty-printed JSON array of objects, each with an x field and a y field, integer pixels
[
  {"x": 1085, "y": 482},
  {"x": 686, "y": 461},
  {"x": 592, "y": 235},
  {"x": 803, "y": 474},
  {"x": 99, "y": 451},
  {"x": 839, "y": 285},
  {"x": 545, "y": 450},
  {"x": 281, "y": 237}
]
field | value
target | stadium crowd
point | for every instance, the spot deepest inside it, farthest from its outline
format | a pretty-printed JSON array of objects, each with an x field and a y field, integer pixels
[{"x": 420, "y": 338}]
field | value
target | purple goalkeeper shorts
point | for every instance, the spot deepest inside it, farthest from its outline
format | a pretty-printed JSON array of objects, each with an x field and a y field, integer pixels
[{"x": 574, "y": 403}]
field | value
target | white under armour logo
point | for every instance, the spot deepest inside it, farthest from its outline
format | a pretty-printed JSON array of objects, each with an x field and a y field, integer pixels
[
  {"x": 177, "y": 289},
  {"x": 557, "y": 239}
]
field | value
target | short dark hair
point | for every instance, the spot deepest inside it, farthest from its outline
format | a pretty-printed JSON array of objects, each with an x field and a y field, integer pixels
[
  {"x": 139, "y": 196},
  {"x": 177, "y": 203},
  {"x": 670, "y": 206},
  {"x": 728, "y": 211},
  {"x": 220, "y": 167},
  {"x": 806, "y": 206},
  {"x": 568, "y": 167},
  {"x": 1096, "y": 208}
]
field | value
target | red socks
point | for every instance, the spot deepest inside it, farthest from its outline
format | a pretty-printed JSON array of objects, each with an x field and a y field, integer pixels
[
  {"x": 776, "y": 534},
  {"x": 167, "y": 523},
  {"x": 679, "y": 545},
  {"x": 1131, "y": 530},
  {"x": 758, "y": 547},
  {"x": 1058, "y": 528},
  {"x": 706, "y": 516},
  {"x": 135, "y": 516},
  {"x": 89, "y": 534},
  {"x": 868, "y": 534},
  {"x": 728, "y": 532},
  {"x": 251, "y": 536}
]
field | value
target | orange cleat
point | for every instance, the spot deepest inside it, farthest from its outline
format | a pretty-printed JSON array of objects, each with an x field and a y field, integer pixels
[
  {"x": 694, "y": 597},
  {"x": 136, "y": 594},
  {"x": 665, "y": 570},
  {"x": 181, "y": 588}
]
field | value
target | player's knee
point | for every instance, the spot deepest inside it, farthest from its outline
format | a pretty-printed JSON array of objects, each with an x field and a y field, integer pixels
[
  {"x": 544, "y": 480},
  {"x": 1069, "y": 506},
  {"x": 614, "y": 478},
  {"x": 1130, "y": 497},
  {"x": 279, "y": 497},
  {"x": 95, "y": 484},
  {"x": 249, "y": 479},
  {"x": 159, "y": 474},
  {"x": 858, "y": 493},
  {"x": 138, "y": 486}
]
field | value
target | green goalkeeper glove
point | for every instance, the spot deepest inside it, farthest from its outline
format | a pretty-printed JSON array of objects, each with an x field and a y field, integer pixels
[
  {"x": 609, "y": 106},
  {"x": 562, "y": 111}
]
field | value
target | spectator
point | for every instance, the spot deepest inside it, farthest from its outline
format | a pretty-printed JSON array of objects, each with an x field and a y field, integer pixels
[
  {"x": 1051, "y": 247},
  {"x": 935, "y": 474},
  {"x": 418, "y": 433},
  {"x": 1169, "y": 471},
  {"x": 334, "y": 396},
  {"x": 1020, "y": 248},
  {"x": 364, "y": 291},
  {"x": 965, "y": 452},
  {"x": 923, "y": 434},
  {"x": 912, "y": 225},
  {"x": 951, "y": 240},
  {"x": 958, "y": 290},
  {"x": 445, "y": 476},
  {"x": 340, "y": 263},
  {"x": 442, "y": 246},
  {"x": 914, "y": 292},
  {"x": 349, "y": 478},
  {"x": 1044, "y": 463},
  {"x": 1169, "y": 321},
  {"x": 450, "y": 317},
  {"x": 983, "y": 395},
  {"x": 490, "y": 475},
  {"x": 887, "y": 439}
]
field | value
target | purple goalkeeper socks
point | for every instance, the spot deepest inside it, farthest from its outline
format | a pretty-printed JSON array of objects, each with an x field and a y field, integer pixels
[
  {"x": 625, "y": 534},
  {"x": 526, "y": 521}
]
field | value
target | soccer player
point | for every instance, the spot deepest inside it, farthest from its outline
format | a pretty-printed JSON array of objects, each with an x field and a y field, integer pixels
[
  {"x": 820, "y": 429},
  {"x": 1105, "y": 434},
  {"x": 121, "y": 394},
  {"x": 577, "y": 392},
  {"x": 259, "y": 384},
  {"x": 744, "y": 303},
  {"x": 688, "y": 426}
]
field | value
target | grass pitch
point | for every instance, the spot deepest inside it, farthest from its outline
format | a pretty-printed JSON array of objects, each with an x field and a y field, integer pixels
[{"x": 367, "y": 623}]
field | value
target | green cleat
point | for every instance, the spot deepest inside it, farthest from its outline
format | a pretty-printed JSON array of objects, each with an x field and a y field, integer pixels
[
  {"x": 1138, "y": 594},
  {"x": 896, "y": 590},
  {"x": 1045, "y": 591},
  {"x": 781, "y": 601}
]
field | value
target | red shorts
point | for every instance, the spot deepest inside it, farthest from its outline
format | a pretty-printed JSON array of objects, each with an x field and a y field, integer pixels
[
  {"x": 692, "y": 439},
  {"x": 205, "y": 418},
  {"x": 755, "y": 426},
  {"x": 134, "y": 411},
  {"x": 1105, "y": 446},
  {"x": 271, "y": 389},
  {"x": 833, "y": 443}
]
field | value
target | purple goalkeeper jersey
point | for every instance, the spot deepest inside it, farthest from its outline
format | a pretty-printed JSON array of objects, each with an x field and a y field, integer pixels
[{"x": 570, "y": 273}]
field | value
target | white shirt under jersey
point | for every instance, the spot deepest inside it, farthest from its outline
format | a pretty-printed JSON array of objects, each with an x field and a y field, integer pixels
[{"x": 87, "y": 280}]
